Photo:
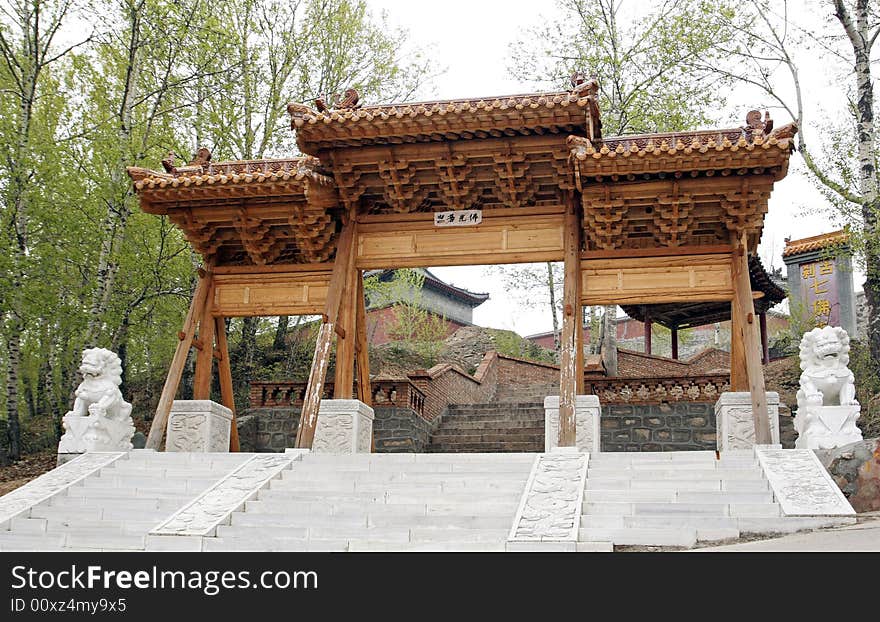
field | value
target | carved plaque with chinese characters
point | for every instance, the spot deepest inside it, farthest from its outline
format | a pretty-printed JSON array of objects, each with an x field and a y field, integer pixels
[
  {"x": 458, "y": 218},
  {"x": 820, "y": 295}
]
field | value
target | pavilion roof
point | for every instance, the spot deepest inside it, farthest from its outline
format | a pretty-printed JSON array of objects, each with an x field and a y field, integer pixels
[
  {"x": 565, "y": 112},
  {"x": 246, "y": 211},
  {"x": 522, "y": 152}
]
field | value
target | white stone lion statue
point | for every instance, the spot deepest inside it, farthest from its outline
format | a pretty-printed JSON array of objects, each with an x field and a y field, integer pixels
[
  {"x": 101, "y": 418},
  {"x": 827, "y": 406}
]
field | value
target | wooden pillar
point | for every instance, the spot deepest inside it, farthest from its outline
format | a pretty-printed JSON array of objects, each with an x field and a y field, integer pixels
[
  {"x": 172, "y": 381},
  {"x": 572, "y": 329},
  {"x": 747, "y": 333},
  {"x": 345, "y": 340},
  {"x": 343, "y": 265},
  {"x": 674, "y": 331},
  {"x": 362, "y": 353},
  {"x": 765, "y": 346},
  {"x": 224, "y": 370},
  {"x": 649, "y": 325},
  {"x": 205, "y": 357},
  {"x": 739, "y": 379}
]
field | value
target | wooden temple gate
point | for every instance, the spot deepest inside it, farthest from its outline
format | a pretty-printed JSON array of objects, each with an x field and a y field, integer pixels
[{"x": 637, "y": 220}]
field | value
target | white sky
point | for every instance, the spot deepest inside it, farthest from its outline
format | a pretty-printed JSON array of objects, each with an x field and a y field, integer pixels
[{"x": 470, "y": 39}]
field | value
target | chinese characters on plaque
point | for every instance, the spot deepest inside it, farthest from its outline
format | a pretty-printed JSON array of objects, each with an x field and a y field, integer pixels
[
  {"x": 458, "y": 218},
  {"x": 818, "y": 282}
]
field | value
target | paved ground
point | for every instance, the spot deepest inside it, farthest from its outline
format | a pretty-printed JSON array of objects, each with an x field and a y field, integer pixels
[{"x": 861, "y": 537}]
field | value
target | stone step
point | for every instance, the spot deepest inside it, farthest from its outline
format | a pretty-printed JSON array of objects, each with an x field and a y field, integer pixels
[
  {"x": 499, "y": 447},
  {"x": 682, "y": 537},
  {"x": 447, "y": 438},
  {"x": 724, "y": 497},
  {"x": 392, "y": 477},
  {"x": 10, "y": 541},
  {"x": 390, "y": 498},
  {"x": 370, "y": 519},
  {"x": 495, "y": 406},
  {"x": 428, "y": 547},
  {"x": 452, "y": 424},
  {"x": 596, "y": 483},
  {"x": 627, "y": 495},
  {"x": 682, "y": 474},
  {"x": 671, "y": 521},
  {"x": 87, "y": 539},
  {"x": 338, "y": 460},
  {"x": 139, "y": 503},
  {"x": 492, "y": 417},
  {"x": 233, "y": 543}
]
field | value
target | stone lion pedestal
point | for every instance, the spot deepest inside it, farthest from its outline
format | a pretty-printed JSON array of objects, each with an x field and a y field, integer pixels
[
  {"x": 100, "y": 419},
  {"x": 734, "y": 424},
  {"x": 343, "y": 427},
  {"x": 827, "y": 407},
  {"x": 199, "y": 426},
  {"x": 587, "y": 413}
]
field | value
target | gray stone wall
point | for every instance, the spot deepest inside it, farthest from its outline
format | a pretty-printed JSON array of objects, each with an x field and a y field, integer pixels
[
  {"x": 681, "y": 426},
  {"x": 400, "y": 430},
  {"x": 395, "y": 429}
]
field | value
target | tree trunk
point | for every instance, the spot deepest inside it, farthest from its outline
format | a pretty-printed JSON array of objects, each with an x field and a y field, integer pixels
[
  {"x": 609, "y": 340},
  {"x": 551, "y": 285},
  {"x": 13, "y": 363},
  {"x": 281, "y": 332},
  {"x": 858, "y": 30}
]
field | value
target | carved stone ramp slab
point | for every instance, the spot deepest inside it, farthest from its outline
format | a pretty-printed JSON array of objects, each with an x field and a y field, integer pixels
[
  {"x": 49, "y": 484},
  {"x": 549, "y": 512},
  {"x": 801, "y": 484},
  {"x": 200, "y": 517}
]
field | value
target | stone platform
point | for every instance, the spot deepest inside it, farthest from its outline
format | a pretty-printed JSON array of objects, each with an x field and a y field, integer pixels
[{"x": 303, "y": 501}]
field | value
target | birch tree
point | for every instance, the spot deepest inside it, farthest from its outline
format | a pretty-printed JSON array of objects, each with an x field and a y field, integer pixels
[
  {"x": 29, "y": 45},
  {"x": 840, "y": 154}
]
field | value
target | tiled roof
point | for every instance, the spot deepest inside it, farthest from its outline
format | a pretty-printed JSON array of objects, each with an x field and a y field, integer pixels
[
  {"x": 511, "y": 115},
  {"x": 814, "y": 243},
  {"x": 230, "y": 173}
]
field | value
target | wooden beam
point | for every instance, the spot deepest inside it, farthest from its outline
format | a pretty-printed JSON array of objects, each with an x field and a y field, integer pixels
[
  {"x": 748, "y": 333},
  {"x": 172, "y": 381},
  {"x": 674, "y": 331},
  {"x": 649, "y": 329},
  {"x": 571, "y": 326},
  {"x": 364, "y": 389},
  {"x": 205, "y": 357},
  {"x": 224, "y": 370},
  {"x": 315, "y": 388}
]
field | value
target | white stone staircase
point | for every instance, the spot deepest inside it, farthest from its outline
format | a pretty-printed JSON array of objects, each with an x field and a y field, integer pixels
[
  {"x": 678, "y": 499},
  {"x": 115, "y": 507},
  {"x": 382, "y": 502},
  {"x": 144, "y": 500}
]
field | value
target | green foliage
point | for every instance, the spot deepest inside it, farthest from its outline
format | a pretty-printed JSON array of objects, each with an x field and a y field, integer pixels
[
  {"x": 867, "y": 379},
  {"x": 80, "y": 264},
  {"x": 510, "y": 344},
  {"x": 422, "y": 330},
  {"x": 653, "y": 64}
]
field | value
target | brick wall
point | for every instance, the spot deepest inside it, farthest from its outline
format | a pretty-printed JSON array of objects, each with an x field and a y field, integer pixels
[
  {"x": 448, "y": 384},
  {"x": 631, "y": 364},
  {"x": 512, "y": 371}
]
